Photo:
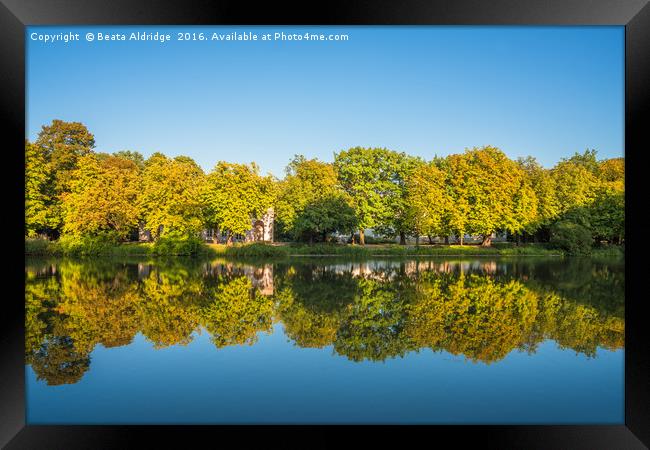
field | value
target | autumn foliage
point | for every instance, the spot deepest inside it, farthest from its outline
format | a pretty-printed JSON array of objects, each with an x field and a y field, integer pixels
[{"x": 73, "y": 190}]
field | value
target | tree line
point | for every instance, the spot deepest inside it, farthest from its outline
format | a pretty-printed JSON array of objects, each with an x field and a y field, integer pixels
[{"x": 71, "y": 189}]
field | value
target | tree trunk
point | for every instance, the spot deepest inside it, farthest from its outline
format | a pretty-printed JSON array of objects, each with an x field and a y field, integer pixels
[
  {"x": 446, "y": 240},
  {"x": 417, "y": 240},
  {"x": 461, "y": 239},
  {"x": 229, "y": 239},
  {"x": 402, "y": 238},
  {"x": 430, "y": 239},
  {"x": 487, "y": 240},
  {"x": 518, "y": 239},
  {"x": 362, "y": 238},
  {"x": 217, "y": 236},
  {"x": 352, "y": 238}
]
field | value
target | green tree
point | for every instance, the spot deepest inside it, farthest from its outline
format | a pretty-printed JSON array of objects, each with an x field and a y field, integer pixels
[
  {"x": 368, "y": 176},
  {"x": 576, "y": 182},
  {"x": 572, "y": 236},
  {"x": 49, "y": 164},
  {"x": 136, "y": 157},
  {"x": 39, "y": 216},
  {"x": 588, "y": 160},
  {"x": 607, "y": 215},
  {"x": 608, "y": 209},
  {"x": 63, "y": 144},
  {"x": 325, "y": 215},
  {"x": 399, "y": 221},
  {"x": 591, "y": 195},
  {"x": 307, "y": 182},
  {"x": 543, "y": 186}
]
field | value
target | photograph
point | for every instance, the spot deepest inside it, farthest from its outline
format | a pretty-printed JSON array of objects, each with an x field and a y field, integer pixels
[
  {"x": 324, "y": 225},
  {"x": 327, "y": 224}
]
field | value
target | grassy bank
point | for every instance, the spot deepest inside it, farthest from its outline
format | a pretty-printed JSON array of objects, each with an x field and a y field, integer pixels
[
  {"x": 266, "y": 250},
  {"x": 98, "y": 247},
  {"x": 608, "y": 251},
  {"x": 172, "y": 247}
]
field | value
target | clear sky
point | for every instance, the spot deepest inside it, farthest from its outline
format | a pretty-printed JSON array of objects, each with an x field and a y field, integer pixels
[{"x": 425, "y": 90}]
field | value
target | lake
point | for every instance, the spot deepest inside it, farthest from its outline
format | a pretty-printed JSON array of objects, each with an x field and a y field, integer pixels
[{"x": 444, "y": 340}]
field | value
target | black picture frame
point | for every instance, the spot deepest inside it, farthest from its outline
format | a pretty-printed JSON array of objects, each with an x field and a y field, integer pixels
[{"x": 15, "y": 15}]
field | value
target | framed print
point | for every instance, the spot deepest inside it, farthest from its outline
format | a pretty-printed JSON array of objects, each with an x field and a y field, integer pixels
[{"x": 372, "y": 216}]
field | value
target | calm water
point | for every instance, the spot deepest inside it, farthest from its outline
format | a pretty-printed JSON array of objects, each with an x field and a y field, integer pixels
[{"x": 446, "y": 340}]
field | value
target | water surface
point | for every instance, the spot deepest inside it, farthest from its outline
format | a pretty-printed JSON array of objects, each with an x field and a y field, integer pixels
[{"x": 435, "y": 340}]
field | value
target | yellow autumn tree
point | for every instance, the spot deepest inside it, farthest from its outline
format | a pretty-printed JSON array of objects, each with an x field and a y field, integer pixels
[
  {"x": 103, "y": 196},
  {"x": 428, "y": 200},
  {"x": 170, "y": 199}
]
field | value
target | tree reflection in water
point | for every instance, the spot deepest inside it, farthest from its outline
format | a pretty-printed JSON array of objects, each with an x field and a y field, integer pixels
[{"x": 365, "y": 310}]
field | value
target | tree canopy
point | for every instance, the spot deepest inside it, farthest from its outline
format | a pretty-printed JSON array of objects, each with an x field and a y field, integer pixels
[
  {"x": 169, "y": 201},
  {"x": 375, "y": 180},
  {"x": 311, "y": 202},
  {"x": 72, "y": 189},
  {"x": 103, "y": 196},
  {"x": 233, "y": 194},
  {"x": 428, "y": 201}
]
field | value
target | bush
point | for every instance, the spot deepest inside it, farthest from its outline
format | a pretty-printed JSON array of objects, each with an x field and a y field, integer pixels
[
  {"x": 536, "y": 249},
  {"x": 178, "y": 245},
  {"x": 71, "y": 245},
  {"x": 37, "y": 246},
  {"x": 108, "y": 244},
  {"x": 571, "y": 237},
  {"x": 617, "y": 251}
]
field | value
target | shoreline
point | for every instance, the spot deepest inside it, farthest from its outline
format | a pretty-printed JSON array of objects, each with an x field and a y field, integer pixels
[{"x": 261, "y": 250}]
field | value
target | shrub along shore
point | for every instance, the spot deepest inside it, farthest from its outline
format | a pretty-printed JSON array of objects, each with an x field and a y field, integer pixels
[{"x": 196, "y": 248}]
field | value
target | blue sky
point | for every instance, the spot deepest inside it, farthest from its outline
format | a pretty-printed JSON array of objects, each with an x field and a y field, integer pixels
[{"x": 426, "y": 90}]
